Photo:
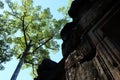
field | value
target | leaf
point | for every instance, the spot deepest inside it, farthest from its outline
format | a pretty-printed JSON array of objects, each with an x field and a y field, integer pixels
[{"x": 9, "y": 40}]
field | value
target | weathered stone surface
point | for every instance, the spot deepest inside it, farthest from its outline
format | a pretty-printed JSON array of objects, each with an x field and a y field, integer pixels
[
  {"x": 99, "y": 21},
  {"x": 85, "y": 70},
  {"x": 78, "y": 8},
  {"x": 91, "y": 43},
  {"x": 71, "y": 36},
  {"x": 50, "y": 70}
]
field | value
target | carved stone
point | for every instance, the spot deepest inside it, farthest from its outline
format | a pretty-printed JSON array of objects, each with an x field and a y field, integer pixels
[
  {"x": 99, "y": 21},
  {"x": 91, "y": 43}
]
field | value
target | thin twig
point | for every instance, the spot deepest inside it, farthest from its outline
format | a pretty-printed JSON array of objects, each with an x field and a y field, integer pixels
[{"x": 13, "y": 12}]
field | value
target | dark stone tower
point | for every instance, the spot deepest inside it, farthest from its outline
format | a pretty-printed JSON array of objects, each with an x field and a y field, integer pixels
[
  {"x": 93, "y": 52},
  {"x": 91, "y": 43}
]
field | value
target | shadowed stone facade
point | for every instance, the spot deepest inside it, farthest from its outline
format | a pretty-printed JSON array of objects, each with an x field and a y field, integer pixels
[
  {"x": 91, "y": 43},
  {"x": 100, "y": 22}
]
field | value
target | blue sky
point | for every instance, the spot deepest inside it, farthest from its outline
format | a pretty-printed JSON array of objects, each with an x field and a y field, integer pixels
[{"x": 25, "y": 74}]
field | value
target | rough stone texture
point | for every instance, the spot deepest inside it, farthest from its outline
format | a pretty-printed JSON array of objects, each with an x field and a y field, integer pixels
[
  {"x": 91, "y": 43},
  {"x": 50, "y": 70},
  {"x": 80, "y": 71},
  {"x": 99, "y": 21}
]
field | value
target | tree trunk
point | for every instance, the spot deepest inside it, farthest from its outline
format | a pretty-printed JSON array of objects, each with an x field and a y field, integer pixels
[{"x": 17, "y": 70}]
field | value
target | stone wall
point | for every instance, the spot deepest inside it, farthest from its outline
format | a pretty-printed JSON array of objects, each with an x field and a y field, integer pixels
[{"x": 91, "y": 42}]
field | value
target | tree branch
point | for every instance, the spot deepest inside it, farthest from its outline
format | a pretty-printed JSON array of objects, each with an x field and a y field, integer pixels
[
  {"x": 23, "y": 27},
  {"x": 13, "y": 12},
  {"x": 42, "y": 44},
  {"x": 26, "y": 52},
  {"x": 33, "y": 69}
]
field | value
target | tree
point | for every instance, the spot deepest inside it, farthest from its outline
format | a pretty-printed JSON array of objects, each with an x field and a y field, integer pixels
[
  {"x": 64, "y": 10},
  {"x": 30, "y": 32},
  {"x": 4, "y": 47},
  {"x": 1, "y": 5}
]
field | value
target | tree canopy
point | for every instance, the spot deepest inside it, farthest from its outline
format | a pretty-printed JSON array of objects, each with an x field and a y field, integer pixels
[{"x": 28, "y": 31}]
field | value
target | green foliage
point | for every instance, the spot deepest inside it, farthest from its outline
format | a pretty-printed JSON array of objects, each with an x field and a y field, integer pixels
[
  {"x": 28, "y": 29},
  {"x": 64, "y": 10},
  {"x": 1, "y": 5},
  {"x": 5, "y": 52}
]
